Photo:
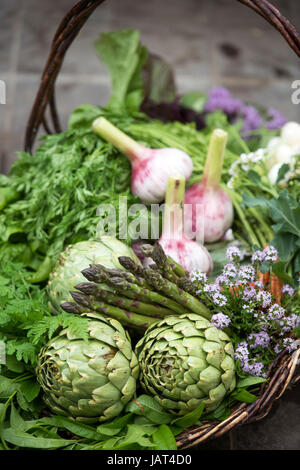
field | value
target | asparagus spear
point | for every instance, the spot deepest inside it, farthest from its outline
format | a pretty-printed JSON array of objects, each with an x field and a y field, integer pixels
[
  {"x": 72, "y": 307},
  {"x": 125, "y": 317},
  {"x": 173, "y": 291},
  {"x": 148, "y": 295},
  {"x": 133, "y": 305},
  {"x": 133, "y": 291}
]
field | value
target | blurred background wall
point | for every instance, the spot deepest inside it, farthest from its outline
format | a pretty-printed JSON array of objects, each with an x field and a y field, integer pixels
[{"x": 208, "y": 43}]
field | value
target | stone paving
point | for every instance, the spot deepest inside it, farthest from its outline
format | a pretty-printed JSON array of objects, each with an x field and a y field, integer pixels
[{"x": 207, "y": 42}]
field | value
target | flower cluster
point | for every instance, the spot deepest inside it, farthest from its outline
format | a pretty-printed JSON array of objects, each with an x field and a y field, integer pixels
[
  {"x": 220, "y": 98},
  {"x": 261, "y": 326}
]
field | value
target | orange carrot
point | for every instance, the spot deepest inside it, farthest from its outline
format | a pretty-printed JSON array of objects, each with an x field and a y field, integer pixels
[{"x": 276, "y": 286}]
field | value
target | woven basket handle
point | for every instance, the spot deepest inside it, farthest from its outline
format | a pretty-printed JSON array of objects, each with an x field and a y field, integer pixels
[{"x": 67, "y": 32}]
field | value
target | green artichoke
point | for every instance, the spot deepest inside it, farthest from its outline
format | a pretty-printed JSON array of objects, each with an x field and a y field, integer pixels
[
  {"x": 67, "y": 270},
  {"x": 89, "y": 381},
  {"x": 185, "y": 361}
]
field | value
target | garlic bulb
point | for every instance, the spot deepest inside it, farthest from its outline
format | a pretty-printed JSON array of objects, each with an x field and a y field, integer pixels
[
  {"x": 151, "y": 168},
  {"x": 207, "y": 194},
  {"x": 189, "y": 253}
]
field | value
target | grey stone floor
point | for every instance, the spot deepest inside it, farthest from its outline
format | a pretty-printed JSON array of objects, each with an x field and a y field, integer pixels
[{"x": 208, "y": 42}]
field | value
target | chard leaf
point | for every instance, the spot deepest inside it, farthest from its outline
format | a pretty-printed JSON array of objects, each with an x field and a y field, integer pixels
[
  {"x": 124, "y": 57},
  {"x": 145, "y": 405},
  {"x": 164, "y": 439},
  {"x": 23, "y": 439}
]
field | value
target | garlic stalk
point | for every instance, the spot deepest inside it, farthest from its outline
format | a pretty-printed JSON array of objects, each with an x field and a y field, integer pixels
[
  {"x": 190, "y": 254},
  {"x": 207, "y": 195},
  {"x": 151, "y": 168}
]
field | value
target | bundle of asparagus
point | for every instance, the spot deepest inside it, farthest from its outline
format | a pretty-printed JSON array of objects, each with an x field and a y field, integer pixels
[{"x": 137, "y": 297}]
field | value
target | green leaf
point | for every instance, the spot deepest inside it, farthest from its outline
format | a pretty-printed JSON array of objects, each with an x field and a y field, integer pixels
[
  {"x": 243, "y": 396},
  {"x": 124, "y": 57},
  {"x": 147, "y": 406},
  {"x": 30, "y": 389},
  {"x": 190, "y": 418},
  {"x": 23, "y": 439},
  {"x": 194, "y": 100},
  {"x": 282, "y": 172},
  {"x": 164, "y": 439},
  {"x": 13, "y": 364},
  {"x": 79, "y": 429},
  {"x": 248, "y": 381},
  {"x": 286, "y": 212},
  {"x": 114, "y": 427},
  {"x": 16, "y": 421}
]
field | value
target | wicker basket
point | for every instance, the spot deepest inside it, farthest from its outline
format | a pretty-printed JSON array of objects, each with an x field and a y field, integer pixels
[{"x": 285, "y": 370}]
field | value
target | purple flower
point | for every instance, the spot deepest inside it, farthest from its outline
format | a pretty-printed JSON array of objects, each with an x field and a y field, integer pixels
[
  {"x": 276, "y": 121},
  {"x": 233, "y": 253},
  {"x": 249, "y": 293},
  {"x": 287, "y": 289},
  {"x": 230, "y": 270},
  {"x": 220, "y": 321},
  {"x": 258, "y": 257},
  {"x": 254, "y": 368},
  {"x": 289, "y": 344},
  {"x": 276, "y": 312},
  {"x": 221, "y": 98},
  {"x": 211, "y": 288},
  {"x": 222, "y": 279},
  {"x": 219, "y": 299},
  {"x": 271, "y": 254},
  {"x": 293, "y": 321},
  {"x": 246, "y": 274},
  {"x": 265, "y": 298},
  {"x": 198, "y": 276},
  {"x": 252, "y": 118},
  {"x": 261, "y": 339},
  {"x": 259, "y": 284},
  {"x": 241, "y": 351}
]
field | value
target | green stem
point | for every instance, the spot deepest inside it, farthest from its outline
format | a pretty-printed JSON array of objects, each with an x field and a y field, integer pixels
[
  {"x": 129, "y": 147},
  {"x": 133, "y": 305},
  {"x": 177, "y": 294},
  {"x": 215, "y": 157},
  {"x": 247, "y": 226},
  {"x": 123, "y": 316},
  {"x": 173, "y": 211}
]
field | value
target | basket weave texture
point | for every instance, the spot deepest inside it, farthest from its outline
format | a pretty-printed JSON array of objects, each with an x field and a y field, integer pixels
[{"x": 285, "y": 369}]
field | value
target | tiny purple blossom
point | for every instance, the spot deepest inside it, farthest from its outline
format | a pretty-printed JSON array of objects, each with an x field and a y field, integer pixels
[
  {"x": 211, "y": 288},
  {"x": 261, "y": 339},
  {"x": 258, "y": 257},
  {"x": 220, "y": 321},
  {"x": 241, "y": 351},
  {"x": 287, "y": 289},
  {"x": 198, "y": 276},
  {"x": 219, "y": 299},
  {"x": 276, "y": 312},
  {"x": 271, "y": 254},
  {"x": 246, "y": 274},
  {"x": 254, "y": 368},
  {"x": 249, "y": 293},
  {"x": 230, "y": 270},
  {"x": 265, "y": 298},
  {"x": 233, "y": 253},
  {"x": 289, "y": 344}
]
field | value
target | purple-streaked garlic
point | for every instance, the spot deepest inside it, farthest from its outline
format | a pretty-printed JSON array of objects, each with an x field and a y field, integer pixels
[
  {"x": 207, "y": 197},
  {"x": 189, "y": 253},
  {"x": 151, "y": 168}
]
